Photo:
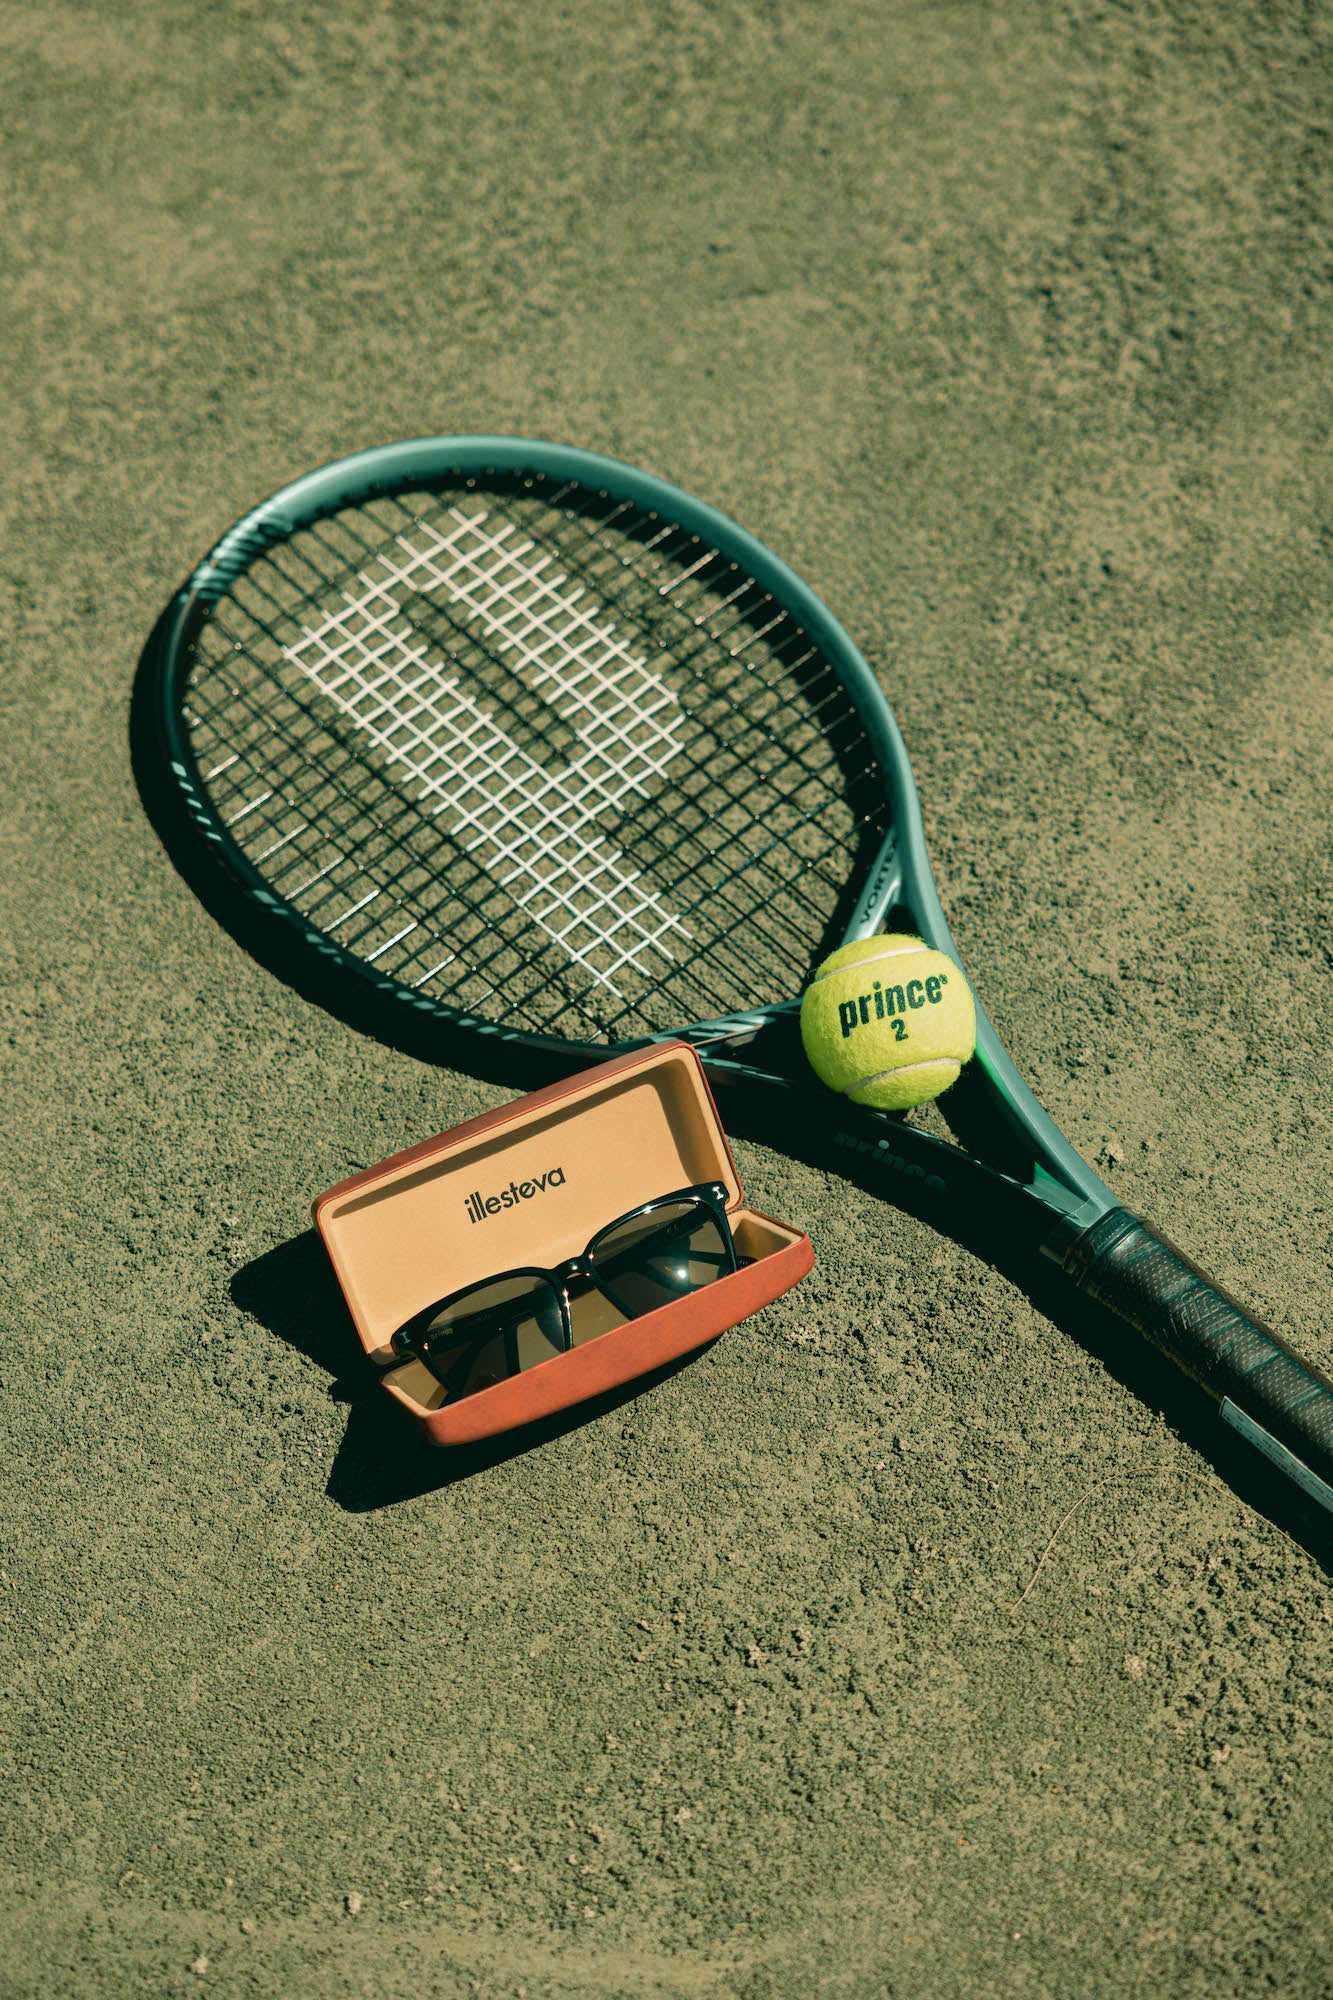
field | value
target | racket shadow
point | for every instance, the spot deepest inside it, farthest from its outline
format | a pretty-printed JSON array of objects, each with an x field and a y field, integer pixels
[
  {"x": 1162, "y": 1388},
  {"x": 292, "y": 1292},
  {"x": 269, "y": 940},
  {"x": 988, "y": 1232}
]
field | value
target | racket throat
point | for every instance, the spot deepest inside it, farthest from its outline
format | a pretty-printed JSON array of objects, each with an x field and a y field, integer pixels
[
  {"x": 883, "y": 890},
  {"x": 777, "y": 1026}
]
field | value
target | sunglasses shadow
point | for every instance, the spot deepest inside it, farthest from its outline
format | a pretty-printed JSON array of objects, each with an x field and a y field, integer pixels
[{"x": 382, "y": 1461}]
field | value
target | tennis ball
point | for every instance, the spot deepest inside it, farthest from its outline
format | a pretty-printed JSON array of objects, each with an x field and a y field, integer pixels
[{"x": 888, "y": 1021}]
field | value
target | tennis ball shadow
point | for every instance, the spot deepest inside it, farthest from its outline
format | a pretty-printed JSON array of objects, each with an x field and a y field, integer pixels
[{"x": 382, "y": 1461}]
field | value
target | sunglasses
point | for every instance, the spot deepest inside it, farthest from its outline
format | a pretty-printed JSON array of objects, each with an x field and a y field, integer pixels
[{"x": 660, "y": 1251}]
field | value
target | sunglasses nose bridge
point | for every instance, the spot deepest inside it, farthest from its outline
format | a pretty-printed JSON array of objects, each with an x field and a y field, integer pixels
[{"x": 573, "y": 1267}]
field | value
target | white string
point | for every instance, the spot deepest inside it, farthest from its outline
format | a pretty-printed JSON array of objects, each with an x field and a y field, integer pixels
[{"x": 534, "y": 826}]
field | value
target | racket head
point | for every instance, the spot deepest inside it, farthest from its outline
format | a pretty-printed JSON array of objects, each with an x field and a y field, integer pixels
[{"x": 706, "y": 621}]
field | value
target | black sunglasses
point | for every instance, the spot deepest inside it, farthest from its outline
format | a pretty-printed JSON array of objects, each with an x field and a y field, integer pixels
[{"x": 662, "y": 1250}]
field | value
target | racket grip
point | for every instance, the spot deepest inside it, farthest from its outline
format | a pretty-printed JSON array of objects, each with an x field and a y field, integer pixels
[{"x": 1267, "y": 1393}]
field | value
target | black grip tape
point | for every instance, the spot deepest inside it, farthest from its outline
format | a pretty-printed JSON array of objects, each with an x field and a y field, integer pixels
[{"x": 1145, "y": 1281}]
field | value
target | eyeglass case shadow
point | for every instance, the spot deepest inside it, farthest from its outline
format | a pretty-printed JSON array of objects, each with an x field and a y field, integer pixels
[{"x": 529, "y": 1184}]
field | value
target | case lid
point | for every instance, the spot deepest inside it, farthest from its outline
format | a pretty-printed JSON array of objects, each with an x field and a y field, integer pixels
[{"x": 526, "y": 1184}]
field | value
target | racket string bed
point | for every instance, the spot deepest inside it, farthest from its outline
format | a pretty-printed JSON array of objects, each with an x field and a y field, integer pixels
[
  {"x": 321, "y": 863},
  {"x": 533, "y": 821},
  {"x": 356, "y": 641},
  {"x": 819, "y": 729},
  {"x": 723, "y": 999},
  {"x": 333, "y": 789},
  {"x": 357, "y": 802}
]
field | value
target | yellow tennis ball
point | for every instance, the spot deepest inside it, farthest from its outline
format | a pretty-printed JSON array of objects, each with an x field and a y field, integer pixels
[{"x": 888, "y": 1021}]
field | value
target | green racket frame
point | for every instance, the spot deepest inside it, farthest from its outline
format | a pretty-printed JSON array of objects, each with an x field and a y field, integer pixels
[{"x": 1016, "y": 1158}]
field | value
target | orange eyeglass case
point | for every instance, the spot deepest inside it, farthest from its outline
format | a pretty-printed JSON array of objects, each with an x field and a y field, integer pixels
[{"x": 529, "y": 1184}]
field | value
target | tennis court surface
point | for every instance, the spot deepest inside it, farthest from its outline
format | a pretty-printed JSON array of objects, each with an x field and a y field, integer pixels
[{"x": 905, "y": 1642}]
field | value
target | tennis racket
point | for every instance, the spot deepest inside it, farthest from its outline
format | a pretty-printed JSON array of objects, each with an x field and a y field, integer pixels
[{"x": 537, "y": 750}]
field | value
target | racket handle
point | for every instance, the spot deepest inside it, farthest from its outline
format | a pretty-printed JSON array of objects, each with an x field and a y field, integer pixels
[{"x": 1267, "y": 1393}]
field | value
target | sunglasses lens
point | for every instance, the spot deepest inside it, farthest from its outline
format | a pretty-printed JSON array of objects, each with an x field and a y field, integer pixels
[
  {"x": 651, "y": 1259},
  {"x": 492, "y": 1332}
]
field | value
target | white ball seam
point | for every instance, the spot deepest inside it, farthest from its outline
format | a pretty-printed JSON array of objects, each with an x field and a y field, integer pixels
[
  {"x": 877, "y": 958},
  {"x": 881, "y": 1076}
]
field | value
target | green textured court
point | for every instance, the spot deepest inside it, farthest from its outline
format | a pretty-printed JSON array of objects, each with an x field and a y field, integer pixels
[{"x": 904, "y": 1643}]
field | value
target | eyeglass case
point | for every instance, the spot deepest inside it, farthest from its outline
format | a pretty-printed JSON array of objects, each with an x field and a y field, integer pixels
[{"x": 529, "y": 1184}]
